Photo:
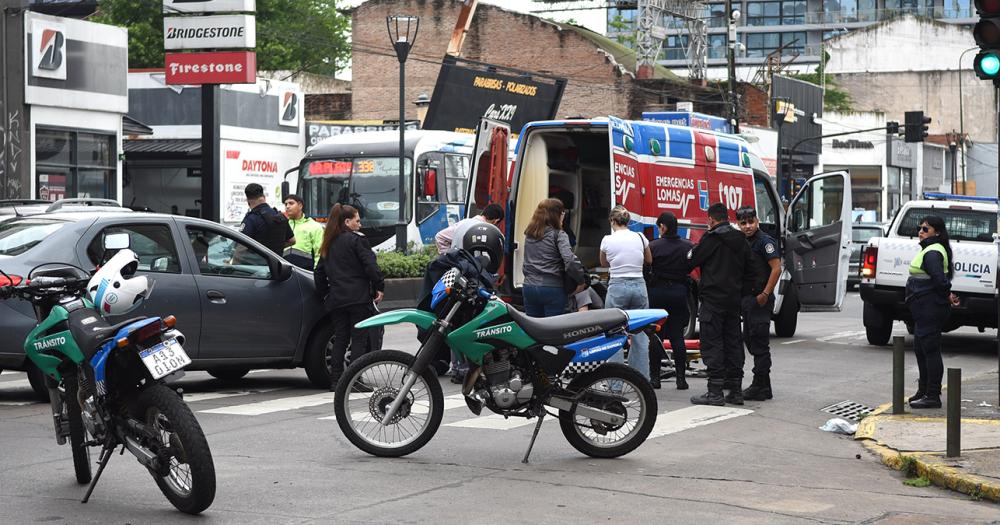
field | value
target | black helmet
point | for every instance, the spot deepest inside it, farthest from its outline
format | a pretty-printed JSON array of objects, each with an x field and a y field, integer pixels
[{"x": 485, "y": 240}]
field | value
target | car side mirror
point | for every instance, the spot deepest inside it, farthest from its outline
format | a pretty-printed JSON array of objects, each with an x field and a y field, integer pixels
[
  {"x": 280, "y": 270},
  {"x": 117, "y": 241}
]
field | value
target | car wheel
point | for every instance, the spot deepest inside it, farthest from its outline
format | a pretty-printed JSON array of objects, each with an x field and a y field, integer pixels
[
  {"x": 318, "y": 354},
  {"x": 229, "y": 374},
  {"x": 37, "y": 381},
  {"x": 787, "y": 319},
  {"x": 878, "y": 326}
]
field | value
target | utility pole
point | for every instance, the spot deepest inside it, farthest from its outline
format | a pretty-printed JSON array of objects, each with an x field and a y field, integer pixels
[{"x": 734, "y": 104}]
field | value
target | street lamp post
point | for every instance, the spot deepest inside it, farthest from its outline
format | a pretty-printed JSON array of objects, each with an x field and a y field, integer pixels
[
  {"x": 402, "y": 33},
  {"x": 961, "y": 112}
]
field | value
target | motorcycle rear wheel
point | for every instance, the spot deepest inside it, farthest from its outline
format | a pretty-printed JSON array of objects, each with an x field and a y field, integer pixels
[
  {"x": 77, "y": 432},
  {"x": 638, "y": 404},
  {"x": 190, "y": 482},
  {"x": 367, "y": 389}
]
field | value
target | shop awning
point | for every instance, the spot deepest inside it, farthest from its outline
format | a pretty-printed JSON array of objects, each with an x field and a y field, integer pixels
[{"x": 188, "y": 147}]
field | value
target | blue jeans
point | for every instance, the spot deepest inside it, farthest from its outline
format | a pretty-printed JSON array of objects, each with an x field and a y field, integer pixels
[
  {"x": 544, "y": 301},
  {"x": 629, "y": 293}
]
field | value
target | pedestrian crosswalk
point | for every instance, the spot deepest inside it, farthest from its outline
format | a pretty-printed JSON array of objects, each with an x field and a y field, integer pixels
[{"x": 266, "y": 401}]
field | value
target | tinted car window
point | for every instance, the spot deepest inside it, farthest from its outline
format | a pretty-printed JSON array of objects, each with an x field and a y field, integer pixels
[
  {"x": 962, "y": 225},
  {"x": 20, "y": 235},
  {"x": 152, "y": 243},
  {"x": 219, "y": 254}
]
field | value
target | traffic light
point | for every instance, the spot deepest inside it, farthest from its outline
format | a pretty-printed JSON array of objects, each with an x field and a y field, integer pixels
[
  {"x": 987, "y": 35},
  {"x": 892, "y": 128},
  {"x": 916, "y": 125}
]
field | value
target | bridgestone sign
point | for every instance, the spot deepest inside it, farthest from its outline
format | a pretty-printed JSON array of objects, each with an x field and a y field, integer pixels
[{"x": 209, "y": 32}]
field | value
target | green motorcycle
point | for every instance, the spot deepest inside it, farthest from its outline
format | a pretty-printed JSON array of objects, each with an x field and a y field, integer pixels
[
  {"x": 106, "y": 381},
  {"x": 389, "y": 403}
]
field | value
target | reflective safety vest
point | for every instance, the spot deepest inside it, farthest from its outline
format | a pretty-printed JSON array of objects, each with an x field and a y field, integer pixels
[{"x": 916, "y": 265}]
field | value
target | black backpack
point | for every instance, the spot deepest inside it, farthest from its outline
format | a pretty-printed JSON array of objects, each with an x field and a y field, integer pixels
[{"x": 275, "y": 232}]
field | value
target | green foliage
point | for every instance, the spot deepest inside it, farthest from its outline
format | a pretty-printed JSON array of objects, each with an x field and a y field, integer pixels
[
  {"x": 397, "y": 265},
  {"x": 298, "y": 35},
  {"x": 619, "y": 25},
  {"x": 920, "y": 482},
  {"x": 908, "y": 466},
  {"x": 834, "y": 98}
]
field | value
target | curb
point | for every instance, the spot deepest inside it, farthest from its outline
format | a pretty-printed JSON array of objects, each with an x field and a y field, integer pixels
[{"x": 932, "y": 465}]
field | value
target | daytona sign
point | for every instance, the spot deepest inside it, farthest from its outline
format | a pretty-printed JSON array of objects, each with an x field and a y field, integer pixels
[
  {"x": 208, "y": 32},
  {"x": 232, "y": 67}
]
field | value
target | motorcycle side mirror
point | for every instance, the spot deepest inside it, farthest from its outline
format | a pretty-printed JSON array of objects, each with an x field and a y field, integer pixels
[{"x": 117, "y": 241}]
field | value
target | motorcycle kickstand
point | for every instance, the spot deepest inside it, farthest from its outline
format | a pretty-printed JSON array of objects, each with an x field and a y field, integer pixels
[
  {"x": 538, "y": 426},
  {"x": 103, "y": 462}
]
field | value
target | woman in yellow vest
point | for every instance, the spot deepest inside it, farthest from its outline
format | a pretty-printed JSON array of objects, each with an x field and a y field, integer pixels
[{"x": 929, "y": 297}]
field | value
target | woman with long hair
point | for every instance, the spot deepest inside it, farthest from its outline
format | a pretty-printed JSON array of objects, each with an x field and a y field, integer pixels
[
  {"x": 547, "y": 257},
  {"x": 929, "y": 297},
  {"x": 624, "y": 252},
  {"x": 667, "y": 288},
  {"x": 350, "y": 283}
]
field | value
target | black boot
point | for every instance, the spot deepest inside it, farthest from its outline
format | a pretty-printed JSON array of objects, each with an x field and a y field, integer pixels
[
  {"x": 921, "y": 392},
  {"x": 932, "y": 399},
  {"x": 713, "y": 396},
  {"x": 735, "y": 395},
  {"x": 760, "y": 389},
  {"x": 680, "y": 366}
]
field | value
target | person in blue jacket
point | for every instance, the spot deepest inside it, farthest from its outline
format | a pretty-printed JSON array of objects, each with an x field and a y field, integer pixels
[{"x": 929, "y": 297}]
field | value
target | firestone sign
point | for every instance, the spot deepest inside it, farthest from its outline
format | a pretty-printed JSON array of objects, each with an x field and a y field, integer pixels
[{"x": 231, "y": 67}]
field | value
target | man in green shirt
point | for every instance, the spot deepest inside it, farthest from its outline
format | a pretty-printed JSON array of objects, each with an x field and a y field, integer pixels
[{"x": 308, "y": 235}]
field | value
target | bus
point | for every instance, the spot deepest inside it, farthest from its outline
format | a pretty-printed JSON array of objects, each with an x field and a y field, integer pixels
[{"x": 362, "y": 170}]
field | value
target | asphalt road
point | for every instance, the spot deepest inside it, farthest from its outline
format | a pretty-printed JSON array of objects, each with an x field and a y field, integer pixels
[{"x": 280, "y": 457}]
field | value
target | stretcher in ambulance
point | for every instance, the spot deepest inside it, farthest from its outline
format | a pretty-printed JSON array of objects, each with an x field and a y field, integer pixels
[{"x": 652, "y": 167}]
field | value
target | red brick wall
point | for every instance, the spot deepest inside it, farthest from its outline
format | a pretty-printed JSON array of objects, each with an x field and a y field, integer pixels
[
  {"x": 496, "y": 36},
  {"x": 328, "y": 106}
]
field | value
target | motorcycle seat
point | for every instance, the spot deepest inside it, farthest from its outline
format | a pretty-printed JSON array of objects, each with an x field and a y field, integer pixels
[
  {"x": 89, "y": 330},
  {"x": 567, "y": 328}
]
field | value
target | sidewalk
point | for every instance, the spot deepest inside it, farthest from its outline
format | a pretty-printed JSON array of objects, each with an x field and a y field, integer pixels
[{"x": 916, "y": 441}]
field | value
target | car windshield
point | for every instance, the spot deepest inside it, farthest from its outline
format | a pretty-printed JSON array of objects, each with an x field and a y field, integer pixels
[
  {"x": 962, "y": 224},
  {"x": 369, "y": 184},
  {"x": 20, "y": 235},
  {"x": 862, "y": 234}
]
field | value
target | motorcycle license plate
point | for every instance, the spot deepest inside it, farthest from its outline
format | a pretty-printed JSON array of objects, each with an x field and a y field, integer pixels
[{"x": 165, "y": 358}]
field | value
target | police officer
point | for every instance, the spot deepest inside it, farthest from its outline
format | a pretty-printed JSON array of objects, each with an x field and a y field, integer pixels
[
  {"x": 667, "y": 288},
  {"x": 265, "y": 224},
  {"x": 758, "y": 305},
  {"x": 724, "y": 258}
]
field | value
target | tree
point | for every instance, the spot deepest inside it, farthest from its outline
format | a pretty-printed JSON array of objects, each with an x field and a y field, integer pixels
[
  {"x": 624, "y": 31},
  {"x": 834, "y": 98},
  {"x": 298, "y": 35}
]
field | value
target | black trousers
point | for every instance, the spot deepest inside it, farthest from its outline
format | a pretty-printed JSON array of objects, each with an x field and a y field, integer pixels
[
  {"x": 757, "y": 332},
  {"x": 929, "y": 315},
  {"x": 722, "y": 346},
  {"x": 673, "y": 299},
  {"x": 346, "y": 335}
]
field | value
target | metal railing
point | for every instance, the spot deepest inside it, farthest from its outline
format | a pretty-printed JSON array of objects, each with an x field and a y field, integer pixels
[{"x": 836, "y": 17}]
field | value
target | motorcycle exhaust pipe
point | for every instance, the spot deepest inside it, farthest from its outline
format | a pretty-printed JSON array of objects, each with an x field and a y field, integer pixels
[
  {"x": 141, "y": 453},
  {"x": 55, "y": 401}
]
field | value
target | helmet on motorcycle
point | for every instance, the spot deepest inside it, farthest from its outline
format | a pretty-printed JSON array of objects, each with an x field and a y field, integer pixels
[
  {"x": 485, "y": 240},
  {"x": 114, "y": 289}
]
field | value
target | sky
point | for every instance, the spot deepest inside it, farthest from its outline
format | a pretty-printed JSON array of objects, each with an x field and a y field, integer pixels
[{"x": 593, "y": 19}]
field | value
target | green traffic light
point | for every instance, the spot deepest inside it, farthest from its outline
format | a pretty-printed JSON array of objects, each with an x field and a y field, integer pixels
[{"x": 990, "y": 64}]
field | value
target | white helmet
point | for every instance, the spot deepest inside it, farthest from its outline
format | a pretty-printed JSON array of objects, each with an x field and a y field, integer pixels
[{"x": 114, "y": 289}]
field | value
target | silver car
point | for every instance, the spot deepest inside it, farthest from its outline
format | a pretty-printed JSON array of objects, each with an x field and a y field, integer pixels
[{"x": 239, "y": 305}]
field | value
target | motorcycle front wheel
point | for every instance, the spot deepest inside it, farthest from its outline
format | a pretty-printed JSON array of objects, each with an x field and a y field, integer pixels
[
  {"x": 366, "y": 391},
  {"x": 189, "y": 482},
  {"x": 614, "y": 388}
]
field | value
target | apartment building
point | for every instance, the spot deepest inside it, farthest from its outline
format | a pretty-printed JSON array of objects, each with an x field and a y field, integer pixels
[{"x": 798, "y": 27}]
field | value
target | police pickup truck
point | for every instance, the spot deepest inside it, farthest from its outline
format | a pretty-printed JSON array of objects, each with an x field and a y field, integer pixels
[{"x": 971, "y": 223}]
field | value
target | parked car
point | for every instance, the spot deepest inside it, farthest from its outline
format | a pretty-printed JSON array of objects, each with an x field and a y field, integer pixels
[
  {"x": 10, "y": 207},
  {"x": 860, "y": 233},
  {"x": 240, "y": 306}
]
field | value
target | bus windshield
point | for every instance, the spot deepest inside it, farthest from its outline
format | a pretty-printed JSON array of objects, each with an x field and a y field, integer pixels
[{"x": 370, "y": 184}]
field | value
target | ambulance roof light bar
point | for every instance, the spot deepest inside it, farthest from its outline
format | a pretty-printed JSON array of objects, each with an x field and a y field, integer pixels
[{"x": 934, "y": 196}]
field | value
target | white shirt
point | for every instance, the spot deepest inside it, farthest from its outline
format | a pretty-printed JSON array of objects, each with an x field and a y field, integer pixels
[{"x": 625, "y": 250}]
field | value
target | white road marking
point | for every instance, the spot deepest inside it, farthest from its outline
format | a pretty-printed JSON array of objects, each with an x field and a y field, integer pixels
[
  {"x": 18, "y": 403},
  {"x": 692, "y": 417},
  {"x": 793, "y": 341},
  {"x": 493, "y": 422},
  {"x": 450, "y": 402},
  {"x": 840, "y": 335},
  {"x": 273, "y": 405},
  {"x": 205, "y": 396}
]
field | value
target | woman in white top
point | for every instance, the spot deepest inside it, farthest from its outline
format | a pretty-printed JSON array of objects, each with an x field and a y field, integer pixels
[{"x": 624, "y": 252}]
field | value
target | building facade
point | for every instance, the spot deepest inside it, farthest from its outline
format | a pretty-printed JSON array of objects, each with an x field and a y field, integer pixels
[{"x": 801, "y": 26}]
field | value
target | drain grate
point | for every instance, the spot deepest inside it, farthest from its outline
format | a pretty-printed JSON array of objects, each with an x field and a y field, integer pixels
[{"x": 848, "y": 410}]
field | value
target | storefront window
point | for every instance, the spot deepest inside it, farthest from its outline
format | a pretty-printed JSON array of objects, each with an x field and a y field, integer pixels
[
  {"x": 866, "y": 187},
  {"x": 74, "y": 164}
]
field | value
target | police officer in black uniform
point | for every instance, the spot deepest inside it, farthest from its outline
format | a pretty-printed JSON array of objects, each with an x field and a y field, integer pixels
[
  {"x": 265, "y": 224},
  {"x": 724, "y": 258},
  {"x": 667, "y": 288},
  {"x": 758, "y": 305}
]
